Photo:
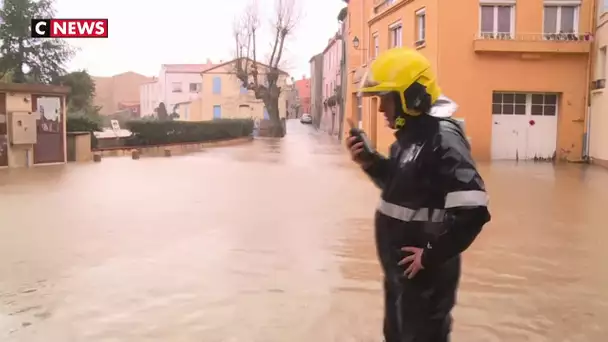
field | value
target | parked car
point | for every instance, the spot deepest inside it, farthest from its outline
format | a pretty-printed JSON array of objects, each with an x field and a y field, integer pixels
[{"x": 306, "y": 119}]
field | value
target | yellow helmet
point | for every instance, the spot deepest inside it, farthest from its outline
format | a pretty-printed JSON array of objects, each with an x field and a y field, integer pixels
[{"x": 404, "y": 71}]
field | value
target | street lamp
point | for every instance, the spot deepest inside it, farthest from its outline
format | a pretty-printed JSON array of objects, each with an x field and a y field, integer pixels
[{"x": 356, "y": 44}]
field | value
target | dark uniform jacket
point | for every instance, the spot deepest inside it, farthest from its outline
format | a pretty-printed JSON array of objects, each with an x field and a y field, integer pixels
[{"x": 432, "y": 198}]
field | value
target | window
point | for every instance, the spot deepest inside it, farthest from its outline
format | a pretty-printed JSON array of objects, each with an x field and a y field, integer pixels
[
  {"x": 601, "y": 63},
  {"x": 376, "y": 47},
  {"x": 195, "y": 87},
  {"x": 3, "y": 125},
  {"x": 217, "y": 112},
  {"x": 504, "y": 103},
  {"x": 396, "y": 35},
  {"x": 560, "y": 20},
  {"x": 420, "y": 27},
  {"x": 217, "y": 85},
  {"x": 266, "y": 115},
  {"x": 176, "y": 87},
  {"x": 497, "y": 21},
  {"x": 544, "y": 104},
  {"x": 508, "y": 103}
]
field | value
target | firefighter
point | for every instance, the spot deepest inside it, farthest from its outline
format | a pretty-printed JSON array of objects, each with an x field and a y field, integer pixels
[{"x": 433, "y": 203}]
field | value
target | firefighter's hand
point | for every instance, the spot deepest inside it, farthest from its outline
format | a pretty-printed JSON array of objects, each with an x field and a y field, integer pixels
[
  {"x": 355, "y": 147},
  {"x": 414, "y": 260}
]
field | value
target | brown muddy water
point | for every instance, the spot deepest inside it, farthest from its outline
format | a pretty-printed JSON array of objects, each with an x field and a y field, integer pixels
[{"x": 273, "y": 242}]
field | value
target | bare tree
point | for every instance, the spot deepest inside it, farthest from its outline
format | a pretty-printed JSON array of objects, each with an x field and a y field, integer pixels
[{"x": 263, "y": 78}]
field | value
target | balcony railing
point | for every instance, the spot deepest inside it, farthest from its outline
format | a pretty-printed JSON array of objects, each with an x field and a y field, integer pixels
[
  {"x": 533, "y": 42},
  {"x": 533, "y": 37}
]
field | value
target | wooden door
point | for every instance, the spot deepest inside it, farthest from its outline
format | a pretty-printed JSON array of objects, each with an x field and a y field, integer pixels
[
  {"x": 3, "y": 131},
  {"x": 49, "y": 148}
]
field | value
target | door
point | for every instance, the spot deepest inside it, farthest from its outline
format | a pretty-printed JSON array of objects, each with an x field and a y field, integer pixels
[
  {"x": 266, "y": 115},
  {"x": 3, "y": 132},
  {"x": 508, "y": 126},
  {"x": 524, "y": 126},
  {"x": 217, "y": 112},
  {"x": 49, "y": 147},
  {"x": 542, "y": 126}
]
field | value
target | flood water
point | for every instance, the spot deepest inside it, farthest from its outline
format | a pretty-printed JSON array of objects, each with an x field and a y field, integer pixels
[{"x": 273, "y": 242}]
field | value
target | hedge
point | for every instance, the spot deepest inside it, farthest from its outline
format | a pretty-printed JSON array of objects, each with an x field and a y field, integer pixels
[
  {"x": 147, "y": 133},
  {"x": 80, "y": 123}
]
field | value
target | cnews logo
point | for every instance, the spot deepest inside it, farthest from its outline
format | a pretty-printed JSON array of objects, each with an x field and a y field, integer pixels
[{"x": 69, "y": 28}]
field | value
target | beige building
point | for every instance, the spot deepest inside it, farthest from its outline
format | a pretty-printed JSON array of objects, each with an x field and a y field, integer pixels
[
  {"x": 222, "y": 96},
  {"x": 111, "y": 91},
  {"x": 32, "y": 125},
  {"x": 597, "y": 129}
]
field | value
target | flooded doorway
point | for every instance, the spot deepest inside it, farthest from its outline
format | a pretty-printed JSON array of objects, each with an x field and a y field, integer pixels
[
  {"x": 3, "y": 132},
  {"x": 50, "y": 145}
]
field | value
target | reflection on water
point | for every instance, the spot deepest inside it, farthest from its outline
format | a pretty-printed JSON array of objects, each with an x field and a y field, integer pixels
[{"x": 273, "y": 241}]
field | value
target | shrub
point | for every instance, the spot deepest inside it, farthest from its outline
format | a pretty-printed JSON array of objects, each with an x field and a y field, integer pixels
[
  {"x": 170, "y": 132},
  {"x": 81, "y": 123}
]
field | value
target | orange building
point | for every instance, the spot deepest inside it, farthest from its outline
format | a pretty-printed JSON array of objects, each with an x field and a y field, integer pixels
[{"x": 518, "y": 69}]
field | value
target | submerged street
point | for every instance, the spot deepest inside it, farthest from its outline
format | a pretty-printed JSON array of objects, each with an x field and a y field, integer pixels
[{"x": 272, "y": 241}]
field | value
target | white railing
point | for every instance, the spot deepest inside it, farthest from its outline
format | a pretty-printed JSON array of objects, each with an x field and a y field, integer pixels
[{"x": 531, "y": 37}]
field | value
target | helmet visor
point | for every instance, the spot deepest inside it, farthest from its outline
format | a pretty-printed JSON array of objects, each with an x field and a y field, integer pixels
[{"x": 368, "y": 86}]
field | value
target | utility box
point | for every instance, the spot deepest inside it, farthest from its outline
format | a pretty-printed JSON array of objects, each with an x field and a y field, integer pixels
[{"x": 22, "y": 128}]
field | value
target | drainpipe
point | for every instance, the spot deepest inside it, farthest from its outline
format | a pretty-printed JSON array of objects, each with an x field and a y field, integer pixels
[
  {"x": 590, "y": 65},
  {"x": 342, "y": 80}
]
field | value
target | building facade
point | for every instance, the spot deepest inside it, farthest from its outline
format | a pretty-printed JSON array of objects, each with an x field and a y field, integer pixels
[
  {"x": 332, "y": 56},
  {"x": 133, "y": 108},
  {"x": 343, "y": 20},
  {"x": 149, "y": 97},
  {"x": 223, "y": 96},
  {"x": 176, "y": 83},
  {"x": 303, "y": 89},
  {"x": 598, "y": 118},
  {"x": 518, "y": 69},
  {"x": 316, "y": 88},
  {"x": 111, "y": 91},
  {"x": 292, "y": 99}
]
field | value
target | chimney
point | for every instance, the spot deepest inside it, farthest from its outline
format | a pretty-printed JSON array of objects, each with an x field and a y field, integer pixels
[
  {"x": 303, "y": 77},
  {"x": 209, "y": 61}
]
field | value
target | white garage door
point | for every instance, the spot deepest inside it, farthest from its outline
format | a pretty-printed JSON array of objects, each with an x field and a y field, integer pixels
[{"x": 524, "y": 126}]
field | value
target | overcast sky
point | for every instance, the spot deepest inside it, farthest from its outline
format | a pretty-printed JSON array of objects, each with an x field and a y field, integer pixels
[{"x": 145, "y": 34}]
